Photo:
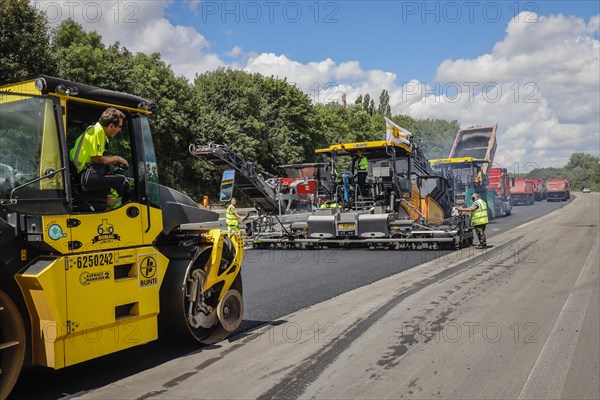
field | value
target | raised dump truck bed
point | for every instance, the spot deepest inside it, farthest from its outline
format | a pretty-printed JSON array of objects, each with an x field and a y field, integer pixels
[{"x": 479, "y": 142}]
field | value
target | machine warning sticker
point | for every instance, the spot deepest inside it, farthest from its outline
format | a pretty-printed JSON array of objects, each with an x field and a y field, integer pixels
[
  {"x": 88, "y": 277},
  {"x": 148, "y": 275}
]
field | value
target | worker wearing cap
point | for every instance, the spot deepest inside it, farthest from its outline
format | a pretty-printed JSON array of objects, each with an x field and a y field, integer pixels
[
  {"x": 479, "y": 218},
  {"x": 232, "y": 217},
  {"x": 90, "y": 160},
  {"x": 362, "y": 169}
]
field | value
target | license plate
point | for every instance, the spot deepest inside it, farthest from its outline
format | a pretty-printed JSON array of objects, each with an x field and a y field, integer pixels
[{"x": 346, "y": 227}]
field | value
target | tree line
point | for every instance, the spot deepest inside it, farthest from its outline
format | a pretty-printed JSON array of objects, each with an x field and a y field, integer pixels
[
  {"x": 264, "y": 119},
  {"x": 583, "y": 170}
]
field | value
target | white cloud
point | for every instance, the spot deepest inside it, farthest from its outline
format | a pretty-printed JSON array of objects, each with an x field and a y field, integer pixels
[
  {"x": 550, "y": 78},
  {"x": 141, "y": 27},
  {"x": 235, "y": 52},
  {"x": 593, "y": 26},
  {"x": 193, "y": 5},
  {"x": 542, "y": 83},
  {"x": 543, "y": 76}
]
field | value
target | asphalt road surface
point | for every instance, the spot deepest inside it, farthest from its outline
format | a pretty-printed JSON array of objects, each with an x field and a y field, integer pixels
[{"x": 280, "y": 283}]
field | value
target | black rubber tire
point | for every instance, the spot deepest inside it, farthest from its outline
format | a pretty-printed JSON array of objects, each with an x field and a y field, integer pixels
[
  {"x": 12, "y": 344},
  {"x": 172, "y": 318}
]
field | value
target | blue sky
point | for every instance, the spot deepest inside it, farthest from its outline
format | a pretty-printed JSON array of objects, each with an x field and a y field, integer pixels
[
  {"x": 410, "y": 38},
  {"x": 533, "y": 68}
]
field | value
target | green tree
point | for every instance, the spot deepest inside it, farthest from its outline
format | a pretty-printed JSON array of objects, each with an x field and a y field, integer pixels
[
  {"x": 24, "y": 42},
  {"x": 371, "y": 107},
  {"x": 366, "y": 102},
  {"x": 384, "y": 104},
  {"x": 584, "y": 171},
  {"x": 332, "y": 122},
  {"x": 70, "y": 33},
  {"x": 82, "y": 57},
  {"x": 543, "y": 173},
  {"x": 266, "y": 120}
]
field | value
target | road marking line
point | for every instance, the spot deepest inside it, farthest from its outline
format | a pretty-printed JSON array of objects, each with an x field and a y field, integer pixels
[{"x": 549, "y": 374}]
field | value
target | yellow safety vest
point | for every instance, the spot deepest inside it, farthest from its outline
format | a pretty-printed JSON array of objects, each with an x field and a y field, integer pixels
[
  {"x": 479, "y": 216},
  {"x": 363, "y": 164},
  {"x": 479, "y": 178},
  {"x": 89, "y": 144},
  {"x": 232, "y": 219}
]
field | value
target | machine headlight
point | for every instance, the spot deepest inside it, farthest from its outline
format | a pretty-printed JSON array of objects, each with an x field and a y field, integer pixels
[{"x": 40, "y": 84}]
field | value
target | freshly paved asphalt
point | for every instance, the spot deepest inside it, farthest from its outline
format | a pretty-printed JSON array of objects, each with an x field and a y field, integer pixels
[{"x": 279, "y": 282}]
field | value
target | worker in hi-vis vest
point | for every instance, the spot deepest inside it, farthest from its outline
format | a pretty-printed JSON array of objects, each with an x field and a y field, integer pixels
[
  {"x": 89, "y": 159},
  {"x": 362, "y": 168},
  {"x": 479, "y": 178},
  {"x": 479, "y": 218},
  {"x": 232, "y": 217}
]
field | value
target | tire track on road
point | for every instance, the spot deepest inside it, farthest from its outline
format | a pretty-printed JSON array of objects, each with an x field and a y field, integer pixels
[{"x": 295, "y": 383}]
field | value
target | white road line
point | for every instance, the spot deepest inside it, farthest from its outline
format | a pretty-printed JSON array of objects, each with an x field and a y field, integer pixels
[{"x": 548, "y": 376}]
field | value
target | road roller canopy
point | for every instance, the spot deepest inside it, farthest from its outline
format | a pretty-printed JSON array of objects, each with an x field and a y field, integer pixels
[{"x": 47, "y": 85}]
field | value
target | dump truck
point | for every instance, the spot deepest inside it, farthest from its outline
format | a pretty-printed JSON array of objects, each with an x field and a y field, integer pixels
[
  {"x": 470, "y": 162},
  {"x": 500, "y": 183},
  {"x": 463, "y": 172},
  {"x": 79, "y": 280},
  {"x": 402, "y": 205},
  {"x": 522, "y": 193},
  {"x": 558, "y": 189}
]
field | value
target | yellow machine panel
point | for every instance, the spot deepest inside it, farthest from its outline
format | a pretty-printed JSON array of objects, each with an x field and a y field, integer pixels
[
  {"x": 459, "y": 160},
  {"x": 415, "y": 203},
  {"x": 212, "y": 276},
  {"x": 92, "y": 304},
  {"x": 42, "y": 283},
  {"x": 126, "y": 226},
  {"x": 55, "y": 232},
  {"x": 432, "y": 211},
  {"x": 92, "y": 232}
]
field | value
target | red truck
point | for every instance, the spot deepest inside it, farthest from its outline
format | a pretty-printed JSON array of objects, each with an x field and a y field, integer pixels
[
  {"x": 539, "y": 189},
  {"x": 522, "y": 192},
  {"x": 558, "y": 189},
  {"x": 499, "y": 183}
]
